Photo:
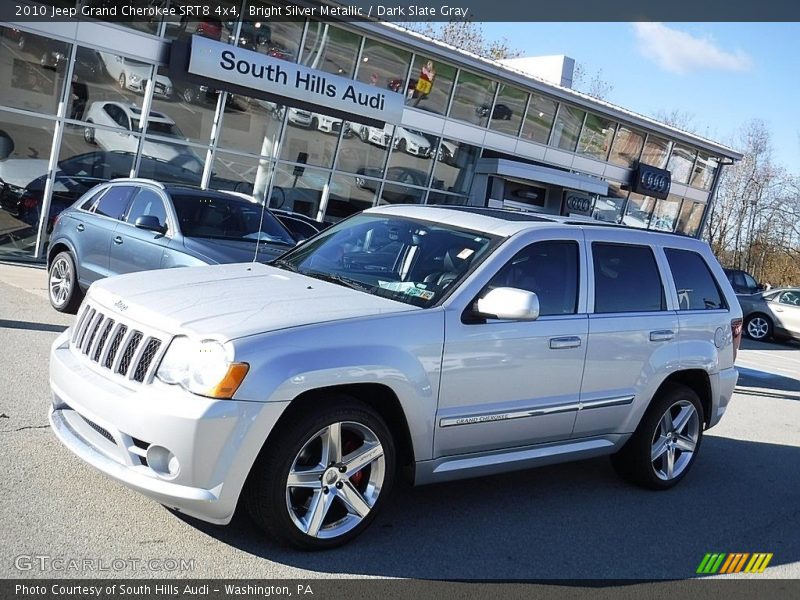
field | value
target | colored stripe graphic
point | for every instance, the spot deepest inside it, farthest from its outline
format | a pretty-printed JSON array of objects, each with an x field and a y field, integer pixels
[
  {"x": 758, "y": 563},
  {"x": 734, "y": 562}
]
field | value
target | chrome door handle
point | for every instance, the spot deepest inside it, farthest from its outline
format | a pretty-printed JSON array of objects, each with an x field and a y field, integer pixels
[
  {"x": 118, "y": 240},
  {"x": 559, "y": 343},
  {"x": 80, "y": 227},
  {"x": 662, "y": 335}
]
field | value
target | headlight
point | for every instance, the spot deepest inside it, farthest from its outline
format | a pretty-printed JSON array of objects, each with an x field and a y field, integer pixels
[
  {"x": 135, "y": 78},
  {"x": 202, "y": 368}
]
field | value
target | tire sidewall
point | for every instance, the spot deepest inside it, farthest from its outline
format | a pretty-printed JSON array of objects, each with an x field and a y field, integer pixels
[
  {"x": 68, "y": 304},
  {"x": 272, "y": 469}
]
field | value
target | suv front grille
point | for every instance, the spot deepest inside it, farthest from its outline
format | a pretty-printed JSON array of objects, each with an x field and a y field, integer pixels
[{"x": 124, "y": 349}]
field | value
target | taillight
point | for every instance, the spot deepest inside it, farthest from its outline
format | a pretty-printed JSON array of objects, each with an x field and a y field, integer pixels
[
  {"x": 29, "y": 202},
  {"x": 736, "y": 330}
]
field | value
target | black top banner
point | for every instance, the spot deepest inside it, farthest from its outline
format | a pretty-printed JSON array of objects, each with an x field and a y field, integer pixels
[{"x": 402, "y": 11}]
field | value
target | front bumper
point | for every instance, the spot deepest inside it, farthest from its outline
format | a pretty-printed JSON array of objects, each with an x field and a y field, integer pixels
[{"x": 112, "y": 425}]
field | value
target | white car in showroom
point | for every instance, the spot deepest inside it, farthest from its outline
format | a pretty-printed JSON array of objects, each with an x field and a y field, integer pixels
[
  {"x": 133, "y": 75},
  {"x": 405, "y": 140},
  {"x": 128, "y": 117}
]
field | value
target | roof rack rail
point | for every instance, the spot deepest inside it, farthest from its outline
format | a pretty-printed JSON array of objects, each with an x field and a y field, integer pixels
[{"x": 140, "y": 180}]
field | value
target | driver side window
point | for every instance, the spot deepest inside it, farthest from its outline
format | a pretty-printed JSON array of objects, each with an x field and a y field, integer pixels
[
  {"x": 790, "y": 298},
  {"x": 550, "y": 270}
]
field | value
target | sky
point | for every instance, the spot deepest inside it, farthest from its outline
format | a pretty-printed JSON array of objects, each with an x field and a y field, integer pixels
[{"x": 724, "y": 74}]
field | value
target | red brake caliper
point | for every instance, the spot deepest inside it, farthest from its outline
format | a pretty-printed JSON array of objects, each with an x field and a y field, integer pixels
[{"x": 349, "y": 444}]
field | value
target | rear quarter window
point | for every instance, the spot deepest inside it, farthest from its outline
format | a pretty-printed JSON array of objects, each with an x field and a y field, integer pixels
[{"x": 695, "y": 285}]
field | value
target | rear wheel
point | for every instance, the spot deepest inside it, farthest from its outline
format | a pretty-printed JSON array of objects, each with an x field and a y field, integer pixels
[
  {"x": 323, "y": 476},
  {"x": 88, "y": 135},
  {"x": 666, "y": 443},
  {"x": 122, "y": 81},
  {"x": 63, "y": 290},
  {"x": 758, "y": 327}
]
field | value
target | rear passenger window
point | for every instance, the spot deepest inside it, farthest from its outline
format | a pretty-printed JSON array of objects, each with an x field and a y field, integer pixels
[
  {"x": 694, "y": 283},
  {"x": 114, "y": 202},
  {"x": 550, "y": 270},
  {"x": 626, "y": 279}
]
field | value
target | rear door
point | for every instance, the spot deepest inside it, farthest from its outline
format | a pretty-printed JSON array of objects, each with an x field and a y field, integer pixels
[
  {"x": 95, "y": 230},
  {"x": 630, "y": 332},
  {"x": 786, "y": 308},
  {"x": 135, "y": 249}
]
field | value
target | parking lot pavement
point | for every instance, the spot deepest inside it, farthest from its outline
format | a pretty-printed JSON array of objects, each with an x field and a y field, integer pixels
[{"x": 570, "y": 521}]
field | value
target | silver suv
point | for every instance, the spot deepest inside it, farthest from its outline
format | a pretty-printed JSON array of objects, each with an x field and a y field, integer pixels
[{"x": 450, "y": 342}]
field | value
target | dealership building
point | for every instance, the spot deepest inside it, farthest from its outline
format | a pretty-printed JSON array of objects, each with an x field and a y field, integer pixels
[{"x": 322, "y": 118}]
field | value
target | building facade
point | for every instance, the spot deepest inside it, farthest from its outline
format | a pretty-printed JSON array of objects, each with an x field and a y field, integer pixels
[{"x": 86, "y": 101}]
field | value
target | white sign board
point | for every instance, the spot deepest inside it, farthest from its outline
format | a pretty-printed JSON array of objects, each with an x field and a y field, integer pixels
[{"x": 249, "y": 69}]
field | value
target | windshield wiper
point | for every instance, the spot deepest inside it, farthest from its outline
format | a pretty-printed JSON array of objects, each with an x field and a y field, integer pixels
[
  {"x": 338, "y": 279},
  {"x": 282, "y": 263}
]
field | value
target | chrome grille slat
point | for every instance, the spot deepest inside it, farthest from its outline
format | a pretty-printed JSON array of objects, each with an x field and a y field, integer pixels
[{"x": 122, "y": 348}]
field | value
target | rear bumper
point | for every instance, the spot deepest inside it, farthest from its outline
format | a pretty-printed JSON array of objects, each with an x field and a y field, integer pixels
[
  {"x": 722, "y": 387},
  {"x": 116, "y": 428}
]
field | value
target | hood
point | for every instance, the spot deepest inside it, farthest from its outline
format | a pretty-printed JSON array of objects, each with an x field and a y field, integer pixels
[
  {"x": 21, "y": 171},
  {"x": 230, "y": 251},
  {"x": 231, "y": 301}
]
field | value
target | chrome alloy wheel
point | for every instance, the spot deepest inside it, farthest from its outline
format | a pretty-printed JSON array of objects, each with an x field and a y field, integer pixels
[
  {"x": 61, "y": 281},
  {"x": 335, "y": 480},
  {"x": 675, "y": 440},
  {"x": 757, "y": 328}
]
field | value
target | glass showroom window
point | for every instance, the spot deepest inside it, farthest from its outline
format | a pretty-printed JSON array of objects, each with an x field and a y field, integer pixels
[
  {"x": 395, "y": 193},
  {"x": 383, "y": 66},
  {"x": 608, "y": 208},
  {"x": 364, "y": 149},
  {"x": 413, "y": 152},
  {"x": 473, "y": 98},
  {"x": 627, "y": 147},
  {"x": 251, "y": 125},
  {"x": 539, "y": 119},
  {"x": 348, "y": 195},
  {"x": 143, "y": 25},
  {"x": 656, "y": 151},
  {"x": 279, "y": 38},
  {"x": 32, "y": 70},
  {"x": 638, "y": 211},
  {"x": 455, "y": 165},
  {"x": 245, "y": 174},
  {"x": 680, "y": 163},
  {"x": 211, "y": 27},
  {"x": 447, "y": 199},
  {"x": 666, "y": 213},
  {"x": 298, "y": 189},
  {"x": 182, "y": 111},
  {"x": 508, "y": 110},
  {"x": 330, "y": 49},
  {"x": 172, "y": 162},
  {"x": 596, "y": 136},
  {"x": 430, "y": 84},
  {"x": 22, "y": 182},
  {"x": 703, "y": 173},
  {"x": 310, "y": 137},
  {"x": 567, "y": 127},
  {"x": 690, "y": 217}
]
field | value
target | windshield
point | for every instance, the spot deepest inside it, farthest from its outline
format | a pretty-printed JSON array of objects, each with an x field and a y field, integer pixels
[
  {"x": 222, "y": 217},
  {"x": 408, "y": 260},
  {"x": 159, "y": 128}
]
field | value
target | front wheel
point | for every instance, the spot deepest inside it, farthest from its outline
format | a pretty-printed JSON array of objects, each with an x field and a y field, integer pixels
[
  {"x": 758, "y": 327},
  {"x": 665, "y": 445},
  {"x": 64, "y": 292},
  {"x": 322, "y": 477}
]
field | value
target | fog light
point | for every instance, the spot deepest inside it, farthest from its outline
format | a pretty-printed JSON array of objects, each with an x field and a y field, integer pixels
[{"x": 163, "y": 462}]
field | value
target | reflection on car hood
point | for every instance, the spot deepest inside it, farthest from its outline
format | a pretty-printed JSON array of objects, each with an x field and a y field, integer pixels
[
  {"x": 230, "y": 301},
  {"x": 231, "y": 251},
  {"x": 21, "y": 171}
]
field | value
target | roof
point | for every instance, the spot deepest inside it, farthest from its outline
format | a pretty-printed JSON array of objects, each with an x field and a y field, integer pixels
[
  {"x": 505, "y": 223},
  {"x": 525, "y": 80}
]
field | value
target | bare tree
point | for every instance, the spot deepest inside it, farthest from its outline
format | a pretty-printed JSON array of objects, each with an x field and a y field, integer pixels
[
  {"x": 680, "y": 119},
  {"x": 466, "y": 35},
  {"x": 594, "y": 85}
]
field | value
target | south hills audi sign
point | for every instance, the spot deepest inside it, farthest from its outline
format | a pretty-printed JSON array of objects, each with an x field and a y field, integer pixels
[{"x": 241, "y": 70}]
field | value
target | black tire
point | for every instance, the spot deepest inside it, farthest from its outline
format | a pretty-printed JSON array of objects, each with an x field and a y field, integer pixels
[
  {"x": 314, "y": 123},
  {"x": 634, "y": 461},
  {"x": 123, "y": 83},
  {"x": 88, "y": 135},
  {"x": 401, "y": 145},
  {"x": 266, "y": 495},
  {"x": 364, "y": 135},
  {"x": 190, "y": 95},
  {"x": 63, "y": 299},
  {"x": 759, "y": 327}
]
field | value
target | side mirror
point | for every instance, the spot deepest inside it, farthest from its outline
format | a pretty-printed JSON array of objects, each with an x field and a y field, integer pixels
[
  {"x": 509, "y": 303},
  {"x": 150, "y": 223}
]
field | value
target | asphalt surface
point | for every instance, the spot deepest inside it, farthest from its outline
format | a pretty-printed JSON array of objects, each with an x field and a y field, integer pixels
[{"x": 569, "y": 521}]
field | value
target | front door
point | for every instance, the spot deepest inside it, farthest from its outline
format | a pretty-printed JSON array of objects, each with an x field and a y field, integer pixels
[
  {"x": 514, "y": 383},
  {"x": 135, "y": 249}
]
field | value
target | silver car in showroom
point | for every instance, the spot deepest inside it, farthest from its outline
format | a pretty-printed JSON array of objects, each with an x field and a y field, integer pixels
[
  {"x": 437, "y": 342},
  {"x": 774, "y": 314}
]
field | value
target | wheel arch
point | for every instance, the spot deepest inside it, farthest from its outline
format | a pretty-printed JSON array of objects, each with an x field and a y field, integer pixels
[
  {"x": 696, "y": 380},
  {"x": 377, "y": 396},
  {"x": 61, "y": 246}
]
